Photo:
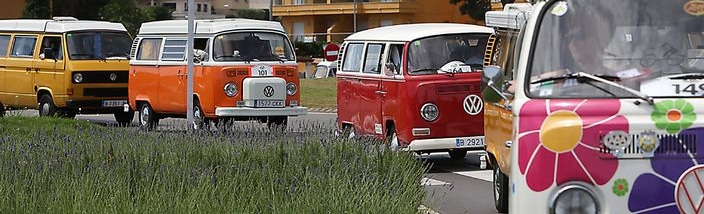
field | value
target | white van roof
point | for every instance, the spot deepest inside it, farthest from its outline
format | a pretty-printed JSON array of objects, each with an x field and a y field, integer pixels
[
  {"x": 512, "y": 17},
  {"x": 57, "y": 25},
  {"x": 410, "y": 32},
  {"x": 208, "y": 26}
]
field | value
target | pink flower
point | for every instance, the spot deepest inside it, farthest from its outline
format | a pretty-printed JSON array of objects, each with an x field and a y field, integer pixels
[{"x": 558, "y": 141}]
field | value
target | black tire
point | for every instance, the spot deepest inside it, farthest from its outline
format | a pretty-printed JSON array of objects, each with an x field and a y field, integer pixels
[
  {"x": 500, "y": 184},
  {"x": 46, "y": 107},
  {"x": 199, "y": 120},
  {"x": 124, "y": 119},
  {"x": 67, "y": 113},
  {"x": 277, "y": 123},
  {"x": 148, "y": 119},
  {"x": 457, "y": 154},
  {"x": 2, "y": 110}
]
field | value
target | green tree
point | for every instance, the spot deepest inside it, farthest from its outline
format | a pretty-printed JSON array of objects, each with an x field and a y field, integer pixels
[
  {"x": 156, "y": 13},
  {"x": 36, "y": 9},
  {"x": 474, "y": 8},
  {"x": 125, "y": 12}
]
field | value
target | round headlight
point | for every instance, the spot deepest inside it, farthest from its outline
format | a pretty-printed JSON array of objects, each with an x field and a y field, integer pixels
[
  {"x": 429, "y": 112},
  {"x": 77, "y": 77},
  {"x": 291, "y": 88},
  {"x": 574, "y": 199},
  {"x": 230, "y": 89}
]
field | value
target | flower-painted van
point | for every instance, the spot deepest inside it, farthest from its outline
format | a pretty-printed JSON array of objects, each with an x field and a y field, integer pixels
[{"x": 596, "y": 106}]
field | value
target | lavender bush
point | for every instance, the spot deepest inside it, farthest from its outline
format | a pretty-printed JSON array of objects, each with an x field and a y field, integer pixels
[{"x": 54, "y": 165}]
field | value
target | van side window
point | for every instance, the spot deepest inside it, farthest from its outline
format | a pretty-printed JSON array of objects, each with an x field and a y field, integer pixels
[
  {"x": 202, "y": 44},
  {"x": 353, "y": 57},
  {"x": 23, "y": 46},
  {"x": 174, "y": 50},
  {"x": 394, "y": 57},
  {"x": 149, "y": 49},
  {"x": 53, "y": 44},
  {"x": 372, "y": 60},
  {"x": 4, "y": 45}
]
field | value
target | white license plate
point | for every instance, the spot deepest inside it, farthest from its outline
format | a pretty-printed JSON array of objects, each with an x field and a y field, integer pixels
[
  {"x": 268, "y": 103},
  {"x": 114, "y": 103},
  {"x": 469, "y": 142}
]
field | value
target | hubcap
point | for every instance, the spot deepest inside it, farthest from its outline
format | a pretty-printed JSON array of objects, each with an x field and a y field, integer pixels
[
  {"x": 394, "y": 142},
  {"x": 496, "y": 184},
  {"x": 45, "y": 109},
  {"x": 144, "y": 115},
  {"x": 198, "y": 118}
]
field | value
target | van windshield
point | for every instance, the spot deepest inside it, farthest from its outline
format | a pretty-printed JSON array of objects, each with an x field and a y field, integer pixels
[
  {"x": 653, "y": 47},
  {"x": 428, "y": 55},
  {"x": 98, "y": 45},
  {"x": 250, "y": 46}
]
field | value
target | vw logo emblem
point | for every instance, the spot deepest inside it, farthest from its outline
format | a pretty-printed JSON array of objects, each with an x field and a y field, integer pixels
[
  {"x": 473, "y": 104},
  {"x": 113, "y": 77},
  {"x": 687, "y": 195},
  {"x": 268, "y": 91}
]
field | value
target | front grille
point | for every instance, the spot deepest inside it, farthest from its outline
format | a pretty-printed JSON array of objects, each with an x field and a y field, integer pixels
[
  {"x": 104, "y": 76},
  {"x": 105, "y": 92},
  {"x": 671, "y": 145}
]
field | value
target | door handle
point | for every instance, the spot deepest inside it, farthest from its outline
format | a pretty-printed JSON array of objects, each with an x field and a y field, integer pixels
[
  {"x": 381, "y": 92},
  {"x": 134, "y": 73}
]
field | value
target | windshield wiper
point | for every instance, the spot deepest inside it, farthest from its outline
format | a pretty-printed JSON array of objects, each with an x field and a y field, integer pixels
[
  {"x": 687, "y": 76},
  {"x": 606, "y": 79}
]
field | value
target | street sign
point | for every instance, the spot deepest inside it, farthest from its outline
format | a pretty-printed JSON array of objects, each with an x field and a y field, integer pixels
[{"x": 331, "y": 50}]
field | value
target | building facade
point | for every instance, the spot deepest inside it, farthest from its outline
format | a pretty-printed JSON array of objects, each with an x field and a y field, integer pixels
[
  {"x": 333, "y": 20},
  {"x": 205, "y": 9},
  {"x": 11, "y": 9}
]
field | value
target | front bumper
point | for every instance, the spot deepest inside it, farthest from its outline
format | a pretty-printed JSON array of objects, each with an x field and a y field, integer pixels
[
  {"x": 469, "y": 142},
  {"x": 255, "y": 112},
  {"x": 93, "y": 107}
]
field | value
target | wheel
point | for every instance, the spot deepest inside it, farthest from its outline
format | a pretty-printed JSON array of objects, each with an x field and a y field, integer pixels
[
  {"x": 457, "y": 154},
  {"x": 2, "y": 110},
  {"x": 124, "y": 119},
  {"x": 67, "y": 113},
  {"x": 46, "y": 106},
  {"x": 392, "y": 139},
  {"x": 277, "y": 123},
  {"x": 147, "y": 118},
  {"x": 500, "y": 183},
  {"x": 199, "y": 120}
]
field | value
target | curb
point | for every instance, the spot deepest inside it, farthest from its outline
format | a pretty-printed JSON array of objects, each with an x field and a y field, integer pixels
[{"x": 323, "y": 110}]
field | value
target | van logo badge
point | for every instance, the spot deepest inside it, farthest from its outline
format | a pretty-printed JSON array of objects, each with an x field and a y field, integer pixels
[
  {"x": 113, "y": 77},
  {"x": 268, "y": 91},
  {"x": 473, "y": 104}
]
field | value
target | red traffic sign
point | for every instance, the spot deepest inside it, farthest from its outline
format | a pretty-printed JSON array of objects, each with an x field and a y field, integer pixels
[{"x": 331, "y": 50}]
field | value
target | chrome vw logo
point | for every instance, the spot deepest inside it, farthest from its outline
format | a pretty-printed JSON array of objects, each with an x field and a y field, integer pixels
[
  {"x": 688, "y": 192},
  {"x": 473, "y": 104},
  {"x": 113, "y": 77},
  {"x": 268, "y": 91}
]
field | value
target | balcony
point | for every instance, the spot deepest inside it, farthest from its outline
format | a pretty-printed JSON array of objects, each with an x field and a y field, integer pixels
[{"x": 336, "y": 7}]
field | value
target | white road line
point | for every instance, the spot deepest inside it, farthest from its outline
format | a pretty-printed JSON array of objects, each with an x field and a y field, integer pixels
[
  {"x": 432, "y": 182},
  {"x": 481, "y": 175}
]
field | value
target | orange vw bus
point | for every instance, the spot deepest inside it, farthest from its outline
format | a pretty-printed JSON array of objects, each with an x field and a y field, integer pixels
[{"x": 245, "y": 69}]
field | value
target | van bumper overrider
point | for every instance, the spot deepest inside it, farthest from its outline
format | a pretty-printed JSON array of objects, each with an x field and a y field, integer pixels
[
  {"x": 469, "y": 142},
  {"x": 246, "y": 111}
]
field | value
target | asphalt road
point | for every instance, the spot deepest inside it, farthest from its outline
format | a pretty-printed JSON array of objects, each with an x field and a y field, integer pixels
[{"x": 453, "y": 186}]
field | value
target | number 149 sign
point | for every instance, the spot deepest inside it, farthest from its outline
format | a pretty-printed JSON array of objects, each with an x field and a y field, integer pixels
[
  {"x": 262, "y": 70},
  {"x": 673, "y": 87}
]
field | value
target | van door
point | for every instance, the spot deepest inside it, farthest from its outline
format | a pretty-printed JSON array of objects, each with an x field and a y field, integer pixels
[
  {"x": 49, "y": 65},
  {"x": 390, "y": 81},
  {"x": 348, "y": 84},
  {"x": 19, "y": 76},
  {"x": 143, "y": 84},
  {"x": 371, "y": 93},
  {"x": 173, "y": 76},
  {"x": 4, "y": 47}
]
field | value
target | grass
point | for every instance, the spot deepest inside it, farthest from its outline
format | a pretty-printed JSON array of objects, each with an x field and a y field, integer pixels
[
  {"x": 67, "y": 166},
  {"x": 319, "y": 93}
]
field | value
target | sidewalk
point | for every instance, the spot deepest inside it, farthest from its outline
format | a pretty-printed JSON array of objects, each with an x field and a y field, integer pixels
[{"x": 323, "y": 110}]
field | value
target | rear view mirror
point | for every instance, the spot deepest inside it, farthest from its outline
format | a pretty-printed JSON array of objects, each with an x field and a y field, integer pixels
[{"x": 491, "y": 73}]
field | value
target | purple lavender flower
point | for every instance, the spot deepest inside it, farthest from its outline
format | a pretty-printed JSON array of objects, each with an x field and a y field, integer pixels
[{"x": 654, "y": 193}]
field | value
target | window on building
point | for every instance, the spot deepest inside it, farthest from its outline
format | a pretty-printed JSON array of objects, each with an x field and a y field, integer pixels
[
  {"x": 297, "y": 2},
  {"x": 185, "y": 6},
  {"x": 4, "y": 45},
  {"x": 205, "y": 8},
  {"x": 386, "y": 22},
  {"x": 298, "y": 30},
  {"x": 171, "y": 6},
  {"x": 198, "y": 7},
  {"x": 149, "y": 49},
  {"x": 23, "y": 46},
  {"x": 372, "y": 60}
]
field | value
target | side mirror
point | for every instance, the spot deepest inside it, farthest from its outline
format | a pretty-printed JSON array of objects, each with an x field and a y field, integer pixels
[
  {"x": 491, "y": 73},
  {"x": 47, "y": 53}
]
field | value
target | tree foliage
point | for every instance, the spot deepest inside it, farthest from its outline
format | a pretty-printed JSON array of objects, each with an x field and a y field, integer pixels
[
  {"x": 36, "y": 9},
  {"x": 474, "y": 8},
  {"x": 125, "y": 12}
]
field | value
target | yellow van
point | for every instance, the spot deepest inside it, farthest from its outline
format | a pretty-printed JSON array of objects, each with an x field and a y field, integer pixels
[{"x": 64, "y": 67}]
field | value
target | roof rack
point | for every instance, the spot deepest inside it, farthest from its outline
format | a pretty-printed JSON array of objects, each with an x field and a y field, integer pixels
[{"x": 64, "y": 18}]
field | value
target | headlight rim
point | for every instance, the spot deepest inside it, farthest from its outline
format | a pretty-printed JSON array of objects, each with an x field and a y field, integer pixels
[
  {"x": 77, "y": 77},
  {"x": 227, "y": 92},
  {"x": 422, "y": 112},
  {"x": 569, "y": 186},
  {"x": 295, "y": 88}
]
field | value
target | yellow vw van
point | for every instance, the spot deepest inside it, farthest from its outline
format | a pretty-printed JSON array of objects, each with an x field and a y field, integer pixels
[{"x": 64, "y": 67}]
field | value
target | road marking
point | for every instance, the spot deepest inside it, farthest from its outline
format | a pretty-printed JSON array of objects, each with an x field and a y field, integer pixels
[
  {"x": 481, "y": 174},
  {"x": 432, "y": 182},
  {"x": 425, "y": 210}
]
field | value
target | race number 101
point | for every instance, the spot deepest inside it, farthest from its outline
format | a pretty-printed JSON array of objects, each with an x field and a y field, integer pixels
[{"x": 694, "y": 89}]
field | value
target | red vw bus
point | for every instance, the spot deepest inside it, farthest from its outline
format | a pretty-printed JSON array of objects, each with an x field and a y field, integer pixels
[{"x": 415, "y": 85}]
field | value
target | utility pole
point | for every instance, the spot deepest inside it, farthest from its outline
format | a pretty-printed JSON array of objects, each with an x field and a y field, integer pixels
[
  {"x": 354, "y": 29},
  {"x": 189, "y": 69},
  {"x": 271, "y": 7}
]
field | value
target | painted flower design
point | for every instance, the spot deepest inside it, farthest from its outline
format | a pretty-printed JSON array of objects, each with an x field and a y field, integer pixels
[
  {"x": 620, "y": 187},
  {"x": 673, "y": 116},
  {"x": 654, "y": 193},
  {"x": 559, "y": 141}
]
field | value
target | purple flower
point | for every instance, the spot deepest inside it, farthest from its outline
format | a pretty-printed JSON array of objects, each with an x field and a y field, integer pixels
[{"x": 654, "y": 192}]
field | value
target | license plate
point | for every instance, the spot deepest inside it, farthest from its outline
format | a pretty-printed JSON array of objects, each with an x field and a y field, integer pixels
[
  {"x": 268, "y": 103},
  {"x": 114, "y": 103},
  {"x": 463, "y": 142}
]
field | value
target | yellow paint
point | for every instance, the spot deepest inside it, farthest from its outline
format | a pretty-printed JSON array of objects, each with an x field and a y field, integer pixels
[{"x": 561, "y": 131}]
